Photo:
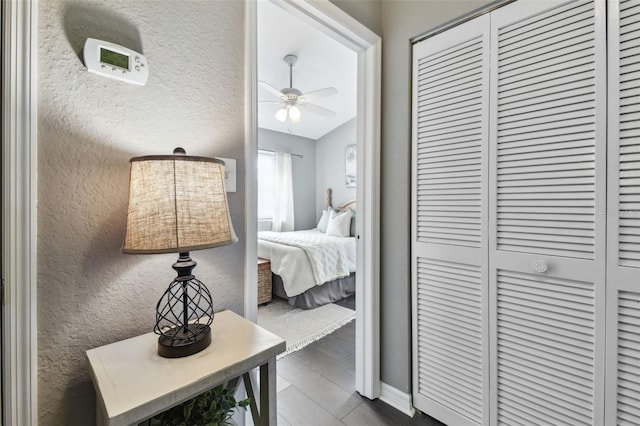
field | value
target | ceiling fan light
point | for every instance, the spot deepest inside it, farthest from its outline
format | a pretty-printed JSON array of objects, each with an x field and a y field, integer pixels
[
  {"x": 281, "y": 115},
  {"x": 294, "y": 114}
]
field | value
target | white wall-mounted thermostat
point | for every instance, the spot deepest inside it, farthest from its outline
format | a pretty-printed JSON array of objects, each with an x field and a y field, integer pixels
[{"x": 113, "y": 61}]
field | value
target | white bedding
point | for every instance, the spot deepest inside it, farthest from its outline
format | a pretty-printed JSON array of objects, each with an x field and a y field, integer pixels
[{"x": 304, "y": 259}]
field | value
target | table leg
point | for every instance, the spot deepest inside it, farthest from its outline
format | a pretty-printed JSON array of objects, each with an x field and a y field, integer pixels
[
  {"x": 248, "y": 385},
  {"x": 268, "y": 394},
  {"x": 101, "y": 416}
]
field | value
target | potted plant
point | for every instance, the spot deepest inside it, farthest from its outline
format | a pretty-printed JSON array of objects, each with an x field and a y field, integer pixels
[{"x": 211, "y": 408}]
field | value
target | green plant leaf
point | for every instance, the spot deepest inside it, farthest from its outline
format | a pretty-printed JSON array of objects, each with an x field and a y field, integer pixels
[
  {"x": 202, "y": 398},
  {"x": 211, "y": 412},
  {"x": 188, "y": 408},
  {"x": 214, "y": 407}
]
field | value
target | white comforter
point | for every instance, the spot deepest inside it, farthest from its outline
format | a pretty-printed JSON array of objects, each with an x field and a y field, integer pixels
[{"x": 305, "y": 259}]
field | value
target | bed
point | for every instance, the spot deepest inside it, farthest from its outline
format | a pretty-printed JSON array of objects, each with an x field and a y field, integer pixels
[{"x": 311, "y": 268}]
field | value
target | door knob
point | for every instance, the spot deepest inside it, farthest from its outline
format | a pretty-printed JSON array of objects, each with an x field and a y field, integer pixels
[{"x": 539, "y": 266}]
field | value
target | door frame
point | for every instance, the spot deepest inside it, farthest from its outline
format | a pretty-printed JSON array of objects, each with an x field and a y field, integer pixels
[
  {"x": 19, "y": 211},
  {"x": 328, "y": 18}
]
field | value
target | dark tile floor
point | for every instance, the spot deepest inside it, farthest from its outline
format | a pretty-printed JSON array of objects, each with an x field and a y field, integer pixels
[{"x": 316, "y": 387}]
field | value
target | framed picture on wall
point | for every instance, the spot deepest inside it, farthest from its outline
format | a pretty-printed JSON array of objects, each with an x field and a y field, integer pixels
[{"x": 350, "y": 168}]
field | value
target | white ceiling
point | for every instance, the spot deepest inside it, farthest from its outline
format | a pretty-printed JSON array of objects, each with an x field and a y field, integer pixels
[{"x": 322, "y": 62}]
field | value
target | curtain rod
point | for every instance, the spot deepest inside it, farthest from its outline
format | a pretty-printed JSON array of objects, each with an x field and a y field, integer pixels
[{"x": 270, "y": 150}]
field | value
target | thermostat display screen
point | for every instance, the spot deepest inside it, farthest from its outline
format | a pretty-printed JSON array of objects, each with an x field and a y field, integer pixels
[{"x": 113, "y": 58}]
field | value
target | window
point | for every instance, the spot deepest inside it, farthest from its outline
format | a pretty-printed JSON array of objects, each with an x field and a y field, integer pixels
[{"x": 266, "y": 184}]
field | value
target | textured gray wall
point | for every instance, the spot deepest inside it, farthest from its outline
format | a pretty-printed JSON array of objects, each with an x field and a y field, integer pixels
[
  {"x": 330, "y": 166},
  {"x": 304, "y": 172},
  {"x": 89, "y": 294},
  {"x": 400, "y": 20}
]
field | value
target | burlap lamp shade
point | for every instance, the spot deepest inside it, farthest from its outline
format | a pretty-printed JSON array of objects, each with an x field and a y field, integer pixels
[{"x": 176, "y": 204}]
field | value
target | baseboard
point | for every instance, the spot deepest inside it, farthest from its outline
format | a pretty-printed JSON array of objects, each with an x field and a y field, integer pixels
[{"x": 397, "y": 399}]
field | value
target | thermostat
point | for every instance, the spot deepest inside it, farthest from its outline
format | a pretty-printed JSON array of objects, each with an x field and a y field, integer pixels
[{"x": 113, "y": 61}]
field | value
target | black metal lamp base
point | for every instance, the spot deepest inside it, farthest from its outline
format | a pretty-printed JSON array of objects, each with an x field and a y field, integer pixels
[
  {"x": 178, "y": 347},
  {"x": 184, "y": 313}
]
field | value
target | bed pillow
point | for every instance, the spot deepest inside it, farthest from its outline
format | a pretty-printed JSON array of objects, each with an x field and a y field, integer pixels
[
  {"x": 324, "y": 220},
  {"x": 339, "y": 224}
]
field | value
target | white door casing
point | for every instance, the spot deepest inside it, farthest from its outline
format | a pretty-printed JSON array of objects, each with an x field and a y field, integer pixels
[{"x": 19, "y": 215}]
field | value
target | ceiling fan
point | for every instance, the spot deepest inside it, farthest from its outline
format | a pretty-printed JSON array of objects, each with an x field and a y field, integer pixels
[{"x": 292, "y": 99}]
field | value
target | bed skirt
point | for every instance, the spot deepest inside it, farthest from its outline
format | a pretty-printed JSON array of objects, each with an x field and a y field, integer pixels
[{"x": 329, "y": 292}]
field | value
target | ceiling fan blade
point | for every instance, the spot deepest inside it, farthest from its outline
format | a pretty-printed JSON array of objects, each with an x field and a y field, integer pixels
[
  {"x": 318, "y": 110},
  {"x": 272, "y": 89},
  {"x": 316, "y": 94},
  {"x": 272, "y": 102}
]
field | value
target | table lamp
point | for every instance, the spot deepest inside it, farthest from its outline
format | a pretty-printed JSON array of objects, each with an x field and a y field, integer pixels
[{"x": 178, "y": 203}]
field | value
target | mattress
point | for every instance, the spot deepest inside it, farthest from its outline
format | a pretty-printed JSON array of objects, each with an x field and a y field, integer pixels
[{"x": 310, "y": 259}]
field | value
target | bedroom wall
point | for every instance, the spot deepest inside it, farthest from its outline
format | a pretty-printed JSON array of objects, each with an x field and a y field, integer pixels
[
  {"x": 400, "y": 21},
  {"x": 365, "y": 11},
  {"x": 330, "y": 171},
  {"x": 89, "y": 294},
  {"x": 304, "y": 174}
]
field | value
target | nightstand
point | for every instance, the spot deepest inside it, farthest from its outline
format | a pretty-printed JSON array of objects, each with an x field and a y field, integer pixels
[
  {"x": 133, "y": 383},
  {"x": 264, "y": 281}
]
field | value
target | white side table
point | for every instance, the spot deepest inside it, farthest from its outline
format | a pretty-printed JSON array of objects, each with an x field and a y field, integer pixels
[{"x": 133, "y": 383}]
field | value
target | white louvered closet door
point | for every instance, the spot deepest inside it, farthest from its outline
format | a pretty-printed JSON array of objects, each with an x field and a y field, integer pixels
[
  {"x": 547, "y": 212},
  {"x": 449, "y": 225},
  {"x": 623, "y": 265}
]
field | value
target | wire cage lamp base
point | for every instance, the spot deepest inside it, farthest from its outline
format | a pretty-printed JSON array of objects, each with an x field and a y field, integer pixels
[{"x": 184, "y": 313}]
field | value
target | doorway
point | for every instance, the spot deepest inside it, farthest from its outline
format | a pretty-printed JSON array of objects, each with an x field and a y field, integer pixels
[
  {"x": 344, "y": 29},
  {"x": 307, "y": 87}
]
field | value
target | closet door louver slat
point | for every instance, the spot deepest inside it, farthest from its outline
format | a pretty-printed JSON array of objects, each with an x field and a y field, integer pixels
[
  {"x": 628, "y": 362},
  {"x": 623, "y": 267},
  {"x": 449, "y": 226},
  {"x": 557, "y": 166},
  {"x": 538, "y": 350},
  {"x": 629, "y": 142},
  {"x": 546, "y": 186},
  {"x": 439, "y": 81},
  {"x": 449, "y": 320}
]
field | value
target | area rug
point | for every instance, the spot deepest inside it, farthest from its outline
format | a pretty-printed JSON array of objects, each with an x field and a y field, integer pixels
[{"x": 300, "y": 327}]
